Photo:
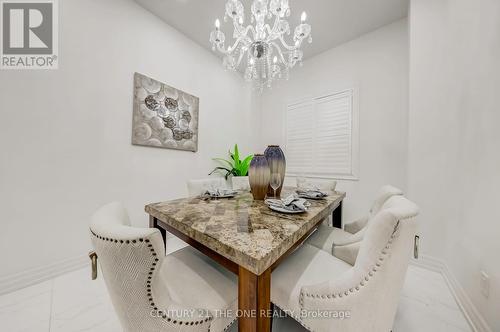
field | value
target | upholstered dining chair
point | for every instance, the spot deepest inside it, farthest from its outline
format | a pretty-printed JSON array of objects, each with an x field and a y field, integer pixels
[
  {"x": 324, "y": 293},
  {"x": 199, "y": 187},
  {"x": 151, "y": 292},
  {"x": 345, "y": 243},
  {"x": 321, "y": 184}
]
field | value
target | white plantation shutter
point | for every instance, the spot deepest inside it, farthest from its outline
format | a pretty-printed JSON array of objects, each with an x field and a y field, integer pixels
[
  {"x": 299, "y": 125},
  {"x": 320, "y": 137}
]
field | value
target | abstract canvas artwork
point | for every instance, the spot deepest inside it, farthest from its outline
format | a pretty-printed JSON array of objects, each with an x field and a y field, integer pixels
[{"x": 164, "y": 117}]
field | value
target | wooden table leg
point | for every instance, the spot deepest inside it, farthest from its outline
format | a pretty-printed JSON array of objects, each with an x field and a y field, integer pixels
[
  {"x": 337, "y": 216},
  {"x": 254, "y": 301},
  {"x": 153, "y": 223}
]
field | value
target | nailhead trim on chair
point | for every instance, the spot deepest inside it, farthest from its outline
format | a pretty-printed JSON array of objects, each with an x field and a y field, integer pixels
[
  {"x": 363, "y": 281},
  {"x": 148, "y": 281}
]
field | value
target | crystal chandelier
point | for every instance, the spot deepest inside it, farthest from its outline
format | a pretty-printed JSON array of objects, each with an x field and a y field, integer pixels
[{"x": 267, "y": 55}]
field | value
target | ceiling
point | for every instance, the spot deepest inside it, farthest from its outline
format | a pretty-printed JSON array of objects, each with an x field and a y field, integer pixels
[{"x": 333, "y": 21}]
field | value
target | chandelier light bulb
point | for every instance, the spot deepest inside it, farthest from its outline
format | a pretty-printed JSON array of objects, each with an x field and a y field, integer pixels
[
  {"x": 303, "y": 17},
  {"x": 241, "y": 20},
  {"x": 252, "y": 61},
  {"x": 217, "y": 24},
  {"x": 275, "y": 60}
]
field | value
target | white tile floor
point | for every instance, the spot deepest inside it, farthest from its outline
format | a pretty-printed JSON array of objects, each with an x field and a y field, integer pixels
[{"x": 73, "y": 302}]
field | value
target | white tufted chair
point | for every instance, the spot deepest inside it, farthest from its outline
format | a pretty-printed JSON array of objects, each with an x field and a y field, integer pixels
[
  {"x": 199, "y": 187},
  {"x": 152, "y": 292},
  {"x": 344, "y": 244},
  {"x": 312, "y": 281},
  {"x": 325, "y": 185}
]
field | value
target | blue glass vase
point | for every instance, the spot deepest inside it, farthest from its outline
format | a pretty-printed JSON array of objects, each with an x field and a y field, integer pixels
[{"x": 277, "y": 164}]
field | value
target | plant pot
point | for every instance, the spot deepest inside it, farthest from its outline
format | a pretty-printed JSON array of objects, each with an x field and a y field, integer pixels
[
  {"x": 240, "y": 183},
  {"x": 277, "y": 164},
  {"x": 259, "y": 176}
]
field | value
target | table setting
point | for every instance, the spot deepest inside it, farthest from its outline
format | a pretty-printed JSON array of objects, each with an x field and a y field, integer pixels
[
  {"x": 311, "y": 193},
  {"x": 250, "y": 228},
  {"x": 291, "y": 204},
  {"x": 219, "y": 193},
  {"x": 266, "y": 174}
]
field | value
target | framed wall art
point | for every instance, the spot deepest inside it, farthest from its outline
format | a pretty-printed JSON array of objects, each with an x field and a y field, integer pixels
[{"x": 163, "y": 116}]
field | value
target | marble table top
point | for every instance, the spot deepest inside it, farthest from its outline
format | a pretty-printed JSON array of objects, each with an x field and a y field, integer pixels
[{"x": 244, "y": 231}]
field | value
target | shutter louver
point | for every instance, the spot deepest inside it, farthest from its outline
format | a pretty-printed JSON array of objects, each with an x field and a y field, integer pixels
[
  {"x": 299, "y": 140},
  {"x": 319, "y": 136}
]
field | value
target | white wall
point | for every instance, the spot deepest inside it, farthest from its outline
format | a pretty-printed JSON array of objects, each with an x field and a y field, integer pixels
[
  {"x": 376, "y": 64},
  {"x": 65, "y": 134},
  {"x": 454, "y": 140}
]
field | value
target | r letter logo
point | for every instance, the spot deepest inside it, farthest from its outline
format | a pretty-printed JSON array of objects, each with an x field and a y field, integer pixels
[{"x": 29, "y": 34}]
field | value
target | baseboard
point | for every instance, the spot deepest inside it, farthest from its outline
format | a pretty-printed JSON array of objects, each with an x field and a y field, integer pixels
[
  {"x": 470, "y": 311},
  {"x": 13, "y": 282},
  {"x": 472, "y": 315},
  {"x": 33, "y": 276},
  {"x": 30, "y": 277},
  {"x": 429, "y": 263}
]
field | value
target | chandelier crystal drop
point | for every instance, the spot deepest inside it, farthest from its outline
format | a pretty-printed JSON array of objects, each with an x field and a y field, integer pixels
[{"x": 259, "y": 45}]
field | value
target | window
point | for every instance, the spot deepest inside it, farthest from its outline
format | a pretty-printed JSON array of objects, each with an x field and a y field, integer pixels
[{"x": 322, "y": 137}]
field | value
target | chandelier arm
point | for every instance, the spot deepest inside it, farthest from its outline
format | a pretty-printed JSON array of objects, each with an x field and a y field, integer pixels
[
  {"x": 240, "y": 58},
  {"x": 236, "y": 43},
  {"x": 239, "y": 28},
  {"x": 288, "y": 47},
  {"x": 221, "y": 48},
  {"x": 268, "y": 28},
  {"x": 252, "y": 29},
  {"x": 274, "y": 33},
  {"x": 242, "y": 33},
  {"x": 281, "y": 56},
  {"x": 246, "y": 32},
  {"x": 240, "y": 39}
]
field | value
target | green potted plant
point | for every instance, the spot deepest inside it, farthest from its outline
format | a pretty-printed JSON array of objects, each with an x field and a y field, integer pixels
[{"x": 236, "y": 167}]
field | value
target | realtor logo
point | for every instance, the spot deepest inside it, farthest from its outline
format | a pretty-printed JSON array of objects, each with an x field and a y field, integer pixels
[{"x": 29, "y": 38}]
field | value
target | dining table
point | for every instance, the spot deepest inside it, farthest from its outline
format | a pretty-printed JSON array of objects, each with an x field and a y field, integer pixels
[{"x": 246, "y": 237}]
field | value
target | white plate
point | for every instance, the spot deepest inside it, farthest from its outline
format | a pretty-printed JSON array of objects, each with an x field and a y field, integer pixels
[
  {"x": 311, "y": 197},
  {"x": 225, "y": 196},
  {"x": 282, "y": 210}
]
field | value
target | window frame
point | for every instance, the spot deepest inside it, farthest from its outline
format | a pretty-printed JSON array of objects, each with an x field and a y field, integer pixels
[{"x": 355, "y": 150}]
